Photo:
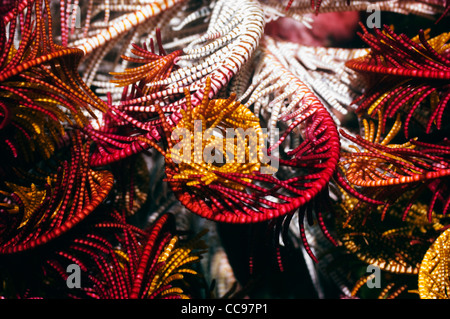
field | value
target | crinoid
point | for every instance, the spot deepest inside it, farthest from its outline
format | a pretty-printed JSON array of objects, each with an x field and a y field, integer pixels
[
  {"x": 420, "y": 7},
  {"x": 106, "y": 32},
  {"x": 382, "y": 171},
  {"x": 132, "y": 183},
  {"x": 127, "y": 127},
  {"x": 42, "y": 205},
  {"x": 218, "y": 137},
  {"x": 151, "y": 263},
  {"x": 301, "y": 133},
  {"x": 233, "y": 34},
  {"x": 117, "y": 136},
  {"x": 41, "y": 91},
  {"x": 393, "y": 243},
  {"x": 153, "y": 67},
  {"x": 213, "y": 155},
  {"x": 434, "y": 277},
  {"x": 369, "y": 286},
  {"x": 409, "y": 76}
]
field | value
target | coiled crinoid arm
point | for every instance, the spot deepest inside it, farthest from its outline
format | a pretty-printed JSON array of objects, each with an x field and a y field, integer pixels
[
  {"x": 434, "y": 276},
  {"x": 218, "y": 54},
  {"x": 382, "y": 170},
  {"x": 408, "y": 76},
  {"x": 116, "y": 138}
]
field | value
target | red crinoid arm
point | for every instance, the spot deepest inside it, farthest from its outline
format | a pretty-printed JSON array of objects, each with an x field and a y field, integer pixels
[
  {"x": 139, "y": 128},
  {"x": 410, "y": 76},
  {"x": 249, "y": 197},
  {"x": 51, "y": 216},
  {"x": 400, "y": 56},
  {"x": 289, "y": 4},
  {"x": 401, "y": 158},
  {"x": 124, "y": 261},
  {"x": 40, "y": 87},
  {"x": 383, "y": 172},
  {"x": 149, "y": 260},
  {"x": 446, "y": 11},
  {"x": 145, "y": 256},
  {"x": 239, "y": 206}
]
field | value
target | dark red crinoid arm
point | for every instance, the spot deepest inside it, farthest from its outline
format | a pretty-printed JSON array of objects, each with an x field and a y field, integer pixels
[
  {"x": 119, "y": 135},
  {"x": 38, "y": 213},
  {"x": 237, "y": 197},
  {"x": 122, "y": 261}
]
